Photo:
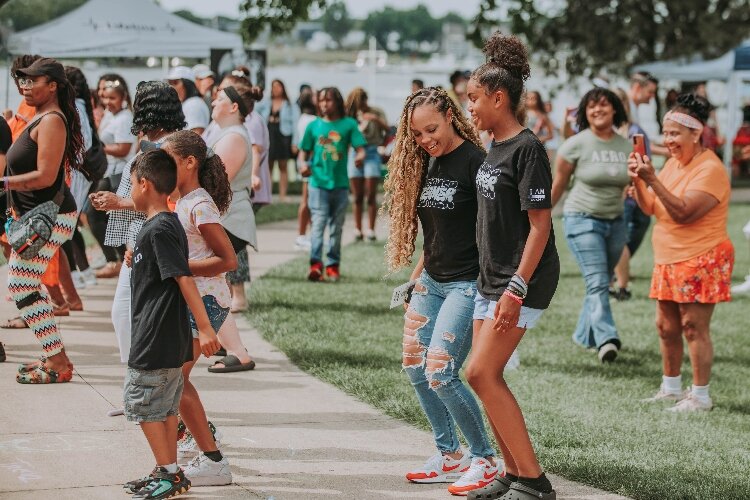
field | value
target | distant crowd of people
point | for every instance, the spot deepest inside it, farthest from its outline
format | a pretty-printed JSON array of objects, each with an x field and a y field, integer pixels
[{"x": 169, "y": 179}]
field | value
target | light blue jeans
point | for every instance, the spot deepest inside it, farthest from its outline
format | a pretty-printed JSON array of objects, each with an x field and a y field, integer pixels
[
  {"x": 437, "y": 339},
  {"x": 597, "y": 246},
  {"x": 327, "y": 209}
]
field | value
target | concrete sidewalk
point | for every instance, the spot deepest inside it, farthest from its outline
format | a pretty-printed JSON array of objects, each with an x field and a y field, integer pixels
[{"x": 287, "y": 434}]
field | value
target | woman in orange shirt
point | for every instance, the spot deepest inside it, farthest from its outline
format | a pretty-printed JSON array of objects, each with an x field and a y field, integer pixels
[{"x": 693, "y": 256}]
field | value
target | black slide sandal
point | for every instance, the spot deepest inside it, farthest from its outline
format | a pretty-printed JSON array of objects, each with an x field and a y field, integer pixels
[{"x": 231, "y": 364}]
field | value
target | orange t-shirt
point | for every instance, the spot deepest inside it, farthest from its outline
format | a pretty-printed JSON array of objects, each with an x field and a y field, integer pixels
[
  {"x": 23, "y": 116},
  {"x": 675, "y": 242}
]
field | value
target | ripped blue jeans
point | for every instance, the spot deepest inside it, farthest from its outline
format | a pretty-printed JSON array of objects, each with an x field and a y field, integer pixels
[{"x": 437, "y": 339}]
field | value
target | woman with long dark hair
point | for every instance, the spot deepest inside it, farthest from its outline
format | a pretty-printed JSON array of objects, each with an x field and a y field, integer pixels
[
  {"x": 35, "y": 171},
  {"x": 197, "y": 114},
  {"x": 281, "y": 114}
]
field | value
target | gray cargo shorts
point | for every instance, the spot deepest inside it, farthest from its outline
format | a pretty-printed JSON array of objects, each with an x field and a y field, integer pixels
[{"x": 152, "y": 395}]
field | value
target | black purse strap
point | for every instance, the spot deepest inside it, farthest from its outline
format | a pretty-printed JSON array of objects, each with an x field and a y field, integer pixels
[{"x": 60, "y": 195}]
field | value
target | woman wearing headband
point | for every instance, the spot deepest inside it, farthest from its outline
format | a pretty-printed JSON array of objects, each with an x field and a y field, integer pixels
[
  {"x": 693, "y": 256},
  {"x": 232, "y": 143}
]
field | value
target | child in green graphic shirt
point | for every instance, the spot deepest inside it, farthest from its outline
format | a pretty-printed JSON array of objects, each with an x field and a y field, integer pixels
[{"x": 323, "y": 157}]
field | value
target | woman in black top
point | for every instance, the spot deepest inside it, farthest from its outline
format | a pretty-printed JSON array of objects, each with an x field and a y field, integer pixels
[
  {"x": 519, "y": 266},
  {"x": 432, "y": 174},
  {"x": 36, "y": 174}
]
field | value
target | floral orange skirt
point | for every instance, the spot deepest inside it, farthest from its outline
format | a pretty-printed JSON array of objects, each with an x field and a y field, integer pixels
[{"x": 706, "y": 279}]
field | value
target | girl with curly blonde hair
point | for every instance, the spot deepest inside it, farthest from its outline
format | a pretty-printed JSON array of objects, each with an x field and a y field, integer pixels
[{"x": 432, "y": 176}]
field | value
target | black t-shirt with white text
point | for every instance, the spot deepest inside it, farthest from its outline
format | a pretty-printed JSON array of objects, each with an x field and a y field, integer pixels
[
  {"x": 161, "y": 336},
  {"x": 447, "y": 209},
  {"x": 515, "y": 177}
]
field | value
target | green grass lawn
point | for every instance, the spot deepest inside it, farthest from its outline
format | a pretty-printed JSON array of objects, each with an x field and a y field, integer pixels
[
  {"x": 586, "y": 419},
  {"x": 276, "y": 212}
]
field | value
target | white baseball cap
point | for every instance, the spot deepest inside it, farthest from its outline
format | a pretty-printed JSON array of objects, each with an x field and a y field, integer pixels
[
  {"x": 202, "y": 71},
  {"x": 181, "y": 72}
]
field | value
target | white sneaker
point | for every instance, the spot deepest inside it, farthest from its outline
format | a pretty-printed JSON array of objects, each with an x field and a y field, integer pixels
[
  {"x": 370, "y": 235},
  {"x": 302, "y": 243},
  {"x": 89, "y": 276},
  {"x": 691, "y": 403},
  {"x": 440, "y": 468},
  {"x": 78, "y": 280},
  {"x": 742, "y": 287},
  {"x": 202, "y": 471},
  {"x": 480, "y": 474},
  {"x": 608, "y": 352},
  {"x": 664, "y": 395}
]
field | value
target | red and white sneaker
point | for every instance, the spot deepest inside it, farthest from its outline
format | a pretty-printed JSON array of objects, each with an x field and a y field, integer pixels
[
  {"x": 480, "y": 474},
  {"x": 440, "y": 468}
]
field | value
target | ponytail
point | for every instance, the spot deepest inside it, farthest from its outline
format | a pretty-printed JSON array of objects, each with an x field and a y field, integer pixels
[{"x": 212, "y": 174}]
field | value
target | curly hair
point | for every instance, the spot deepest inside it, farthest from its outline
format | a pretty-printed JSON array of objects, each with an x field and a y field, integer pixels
[
  {"x": 507, "y": 67},
  {"x": 156, "y": 106},
  {"x": 212, "y": 174},
  {"x": 595, "y": 95},
  {"x": 356, "y": 102},
  {"x": 407, "y": 170},
  {"x": 694, "y": 105}
]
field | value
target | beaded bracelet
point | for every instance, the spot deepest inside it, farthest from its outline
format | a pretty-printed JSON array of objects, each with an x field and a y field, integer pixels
[
  {"x": 515, "y": 290},
  {"x": 520, "y": 282},
  {"x": 513, "y": 296}
]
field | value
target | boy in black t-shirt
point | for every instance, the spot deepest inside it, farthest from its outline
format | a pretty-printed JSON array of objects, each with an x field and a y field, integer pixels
[{"x": 162, "y": 288}]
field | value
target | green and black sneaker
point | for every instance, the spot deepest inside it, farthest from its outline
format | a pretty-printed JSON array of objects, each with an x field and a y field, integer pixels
[
  {"x": 163, "y": 484},
  {"x": 136, "y": 484}
]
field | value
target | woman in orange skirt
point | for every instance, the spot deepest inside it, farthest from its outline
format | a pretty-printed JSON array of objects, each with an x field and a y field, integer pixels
[{"x": 693, "y": 256}]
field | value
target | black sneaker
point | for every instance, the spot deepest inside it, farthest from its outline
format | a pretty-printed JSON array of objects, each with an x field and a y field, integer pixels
[
  {"x": 163, "y": 484},
  {"x": 2, "y": 353},
  {"x": 135, "y": 485}
]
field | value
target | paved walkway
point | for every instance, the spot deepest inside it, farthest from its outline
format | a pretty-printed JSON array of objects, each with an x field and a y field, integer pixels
[{"x": 287, "y": 434}]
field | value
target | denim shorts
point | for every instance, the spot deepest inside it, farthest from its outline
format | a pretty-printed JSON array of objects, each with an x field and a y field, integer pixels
[
  {"x": 371, "y": 168},
  {"x": 216, "y": 315},
  {"x": 152, "y": 395},
  {"x": 485, "y": 309}
]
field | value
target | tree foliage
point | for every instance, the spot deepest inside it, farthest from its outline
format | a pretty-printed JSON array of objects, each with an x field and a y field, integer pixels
[
  {"x": 586, "y": 37},
  {"x": 413, "y": 26},
  {"x": 279, "y": 15},
  {"x": 26, "y": 14},
  {"x": 336, "y": 21}
]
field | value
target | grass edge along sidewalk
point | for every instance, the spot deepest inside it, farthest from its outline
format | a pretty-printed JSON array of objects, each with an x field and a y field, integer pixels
[{"x": 586, "y": 419}]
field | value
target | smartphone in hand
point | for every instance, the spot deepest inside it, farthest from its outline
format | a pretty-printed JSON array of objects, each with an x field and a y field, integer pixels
[{"x": 639, "y": 144}]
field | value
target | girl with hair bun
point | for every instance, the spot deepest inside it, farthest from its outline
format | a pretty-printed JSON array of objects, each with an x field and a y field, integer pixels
[
  {"x": 432, "y": 175},
  {"x": 518, "y": 263},
  {"x": 693, "y": 255}
]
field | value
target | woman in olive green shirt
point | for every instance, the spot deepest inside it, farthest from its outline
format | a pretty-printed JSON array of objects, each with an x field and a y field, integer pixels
[{"x": 594, "y": 227}]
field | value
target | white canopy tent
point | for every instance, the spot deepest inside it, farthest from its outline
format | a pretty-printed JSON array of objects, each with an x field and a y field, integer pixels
[
  {"x": 136, "y": 28},
  {"x": 732, "y": 68}
]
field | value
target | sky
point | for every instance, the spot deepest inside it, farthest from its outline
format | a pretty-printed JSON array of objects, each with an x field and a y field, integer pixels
[{"x": 357, "y": 8}]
